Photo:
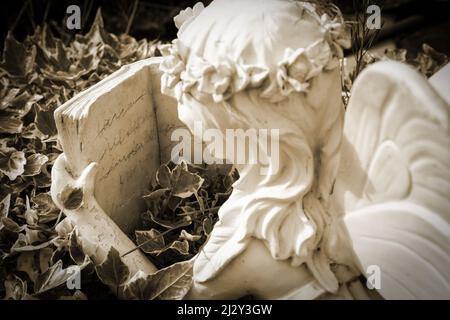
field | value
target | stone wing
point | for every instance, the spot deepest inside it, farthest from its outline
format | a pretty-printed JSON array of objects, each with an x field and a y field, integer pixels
[{"x": 393, "y": 186}]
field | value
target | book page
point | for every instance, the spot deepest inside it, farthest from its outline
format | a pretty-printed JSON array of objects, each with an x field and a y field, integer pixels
[{"x": 114, "y": 125}]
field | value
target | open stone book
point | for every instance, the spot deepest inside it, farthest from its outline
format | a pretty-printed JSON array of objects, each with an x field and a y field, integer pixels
[{"x": 123, "y": 125}]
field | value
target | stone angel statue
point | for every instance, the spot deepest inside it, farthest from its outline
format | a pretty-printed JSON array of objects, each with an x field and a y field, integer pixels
[
  {"x": 357, "y": 189},
  {"x": 349, "y": 193}
]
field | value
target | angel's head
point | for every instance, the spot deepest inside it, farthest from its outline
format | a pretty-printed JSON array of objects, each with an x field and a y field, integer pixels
[{"x": 254, "y": 64}]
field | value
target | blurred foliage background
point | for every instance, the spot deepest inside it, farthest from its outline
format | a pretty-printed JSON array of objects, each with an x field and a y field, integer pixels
[
  {"x": 150, "y": 19},
  {"x": 422, "y": 21}
]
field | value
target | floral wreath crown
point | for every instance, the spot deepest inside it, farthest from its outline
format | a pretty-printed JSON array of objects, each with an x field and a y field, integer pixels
[{"x": 205, "y": 81}]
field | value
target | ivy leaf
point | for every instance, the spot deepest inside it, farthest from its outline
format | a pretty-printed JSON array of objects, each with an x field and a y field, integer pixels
[
  {"x": 43, "y": 179},
  {"x": 155, "y": 199},
  {"x": 55, "y": 276},
  {"x": 182, "y": 247},
  {"x": 46, "y": 209},
  {"x": 62, "y": 60},
  {"x": 184, "y": 235},
  {"x": 163, "y": 177},
  {"x": 173, "y": 203},
  {"x": 10, "y": 123},
  {"x": 113, "y": 271},
  {"x": 171, "y": 283},
  {"x": 45, "y": 122},
  {"x": 4, "y": 208},
  {"x": 45, "y": 256},
  {"x": 138, "y": 287},
  {"x": 64, "y": 228},
  {"x": 7, "y": 96},
  {"x": 184, "y": 183},
  {"x": 22, "y": 245},
  {"x": 26, "y": 262},
  {"x": 34, "y": 263},
  {"x": 21, "y": 105},
  {"x": 150, "y": 241},
  {"x": 76, "y": 249},
  {"x": 16, "y": 288},
  {"x": 32, "y": 132},
  {"x": 170, "y": 224},
  {"x": 18, "y": 60},
  {"x": 34, "y": 164},
  {"x": 34, "y": 236},
  {"x": 207, "y": 225},
  {"x": 12, "y": 162},
  {"x": 11, "y": 225}
]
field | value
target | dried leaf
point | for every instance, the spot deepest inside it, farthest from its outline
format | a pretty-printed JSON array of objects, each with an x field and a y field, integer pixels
[
  {"x": 10, "y": 123},
  {"x": 34, "y": 164},
  {"x": 45, "y": 122},
  {"x": 32, "y": 132},
  {"x": 18, "y": 60},
  {"x": 22, "y": 245},
  {"x": 163, "y": 177},
  {"x": 55, "y": 276},
  {"x": 189, "y": 237},
  {"x": 37, "y": 76},
  {"x": 45, "y": 256},
  {"x": 182, "y": 247},
  {"x": 16, "y": 288},
  {"x": 113, "y": 271},
  {"x": 184, "y": 183},
  {"x": 150, "y": 241},
  {"x": 171, "y": 224},
  {"x": 64, "y": 228},
  {"x": 4, "y": 206},
  {"x": 11, "y": 225},
  {"x": 171, "y": 283},
  {"x": 26, "y": 262},
  {"x": 12, "y": 162},
  {"x": 76, "y": 249}
]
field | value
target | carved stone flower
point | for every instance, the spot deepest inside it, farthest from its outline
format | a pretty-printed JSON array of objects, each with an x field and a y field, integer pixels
[
  {"x": 203, "y": 79},
  {"x": 297, "y": 68},
  {"x": 187, "y": 15},
  {"x": 249, "y": 76},
  {"x": 293, "y": 70},
  {"x": 172, "y": 65},
  {"x": 335, "y": 34},
  {"x": 321, "y": 57}
]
